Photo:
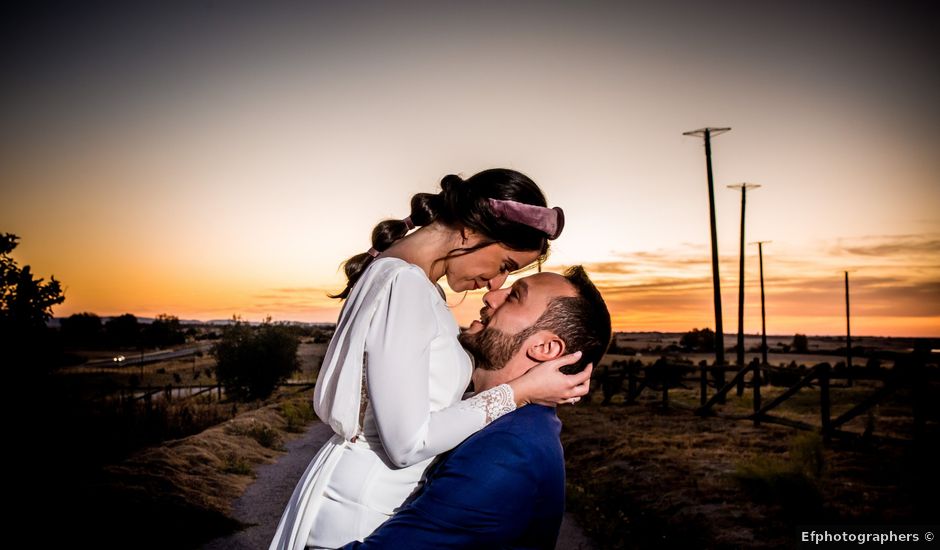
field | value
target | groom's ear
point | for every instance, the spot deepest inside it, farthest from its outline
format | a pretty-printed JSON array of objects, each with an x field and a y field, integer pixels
[{"x": 544, "y": 346}]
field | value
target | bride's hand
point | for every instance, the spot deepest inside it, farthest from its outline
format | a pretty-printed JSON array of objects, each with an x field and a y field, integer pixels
[{"x": 545, "y": 384}]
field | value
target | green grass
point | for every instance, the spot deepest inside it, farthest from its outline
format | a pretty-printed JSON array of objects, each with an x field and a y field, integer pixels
[
  {"x": 791, "y": 483},
  {"x": 265, "y": 435},
  {"x": 297, "y": 414},
  {"x": 237, "y": 465}
]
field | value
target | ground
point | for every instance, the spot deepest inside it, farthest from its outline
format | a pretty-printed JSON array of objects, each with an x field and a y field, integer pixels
[{"x": 641, "y": 476}]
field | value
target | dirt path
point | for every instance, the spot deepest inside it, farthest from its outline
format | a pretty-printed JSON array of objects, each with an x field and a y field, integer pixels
[{"x": 263, "y": 502}]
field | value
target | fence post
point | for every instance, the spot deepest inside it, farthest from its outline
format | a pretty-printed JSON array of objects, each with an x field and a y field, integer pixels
[
  {"x": 919, "y": 383},
  {"x": 824, "y": 401},
  {"x": 757, "y": 381},
  {"x": 740, "y": 388},
  {"x": 665, "y": 390},
  {"x": 631, "y": 383},
  {"x": 703, "y": 398}
]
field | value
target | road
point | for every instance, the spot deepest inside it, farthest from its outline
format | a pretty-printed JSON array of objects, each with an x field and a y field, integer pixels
[{"x": 132, "y": 358}]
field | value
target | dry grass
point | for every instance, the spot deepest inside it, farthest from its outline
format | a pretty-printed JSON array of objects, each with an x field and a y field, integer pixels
[
  {"x": 186, "y": 485},
  {"x": 642, "y": 477}
]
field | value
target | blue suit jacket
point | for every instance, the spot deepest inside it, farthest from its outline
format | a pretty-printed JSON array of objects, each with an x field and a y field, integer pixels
[{"x": 503, "y": 487}]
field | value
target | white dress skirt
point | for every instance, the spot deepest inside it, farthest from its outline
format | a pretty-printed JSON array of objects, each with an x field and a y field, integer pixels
[{"x": 390, "y": 386}]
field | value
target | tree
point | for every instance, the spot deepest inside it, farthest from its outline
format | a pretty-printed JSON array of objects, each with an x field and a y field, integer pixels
[
  {"x": 25, "y": 308},
  {"x": 252, "y": 361},
  {"x": 82, "y": 330},
  {"x": 165, "y": 330},
  {"x": 800, "y": 343},
  {"x": 698, "y": 340},
  {"x": 123, "y": 331}
]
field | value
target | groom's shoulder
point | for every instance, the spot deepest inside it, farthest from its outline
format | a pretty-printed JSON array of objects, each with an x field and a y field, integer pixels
[{"x": 533, "y": 428}]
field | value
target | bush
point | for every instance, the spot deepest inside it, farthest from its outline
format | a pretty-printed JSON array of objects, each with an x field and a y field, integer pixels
[
  {"x": 698, "y": 340},
  {"x": 800, "y": 343},
  {"x": 252, "y": 361},
  {"x": 237, "y": 465},
  {"x": 265, "y": 435},
  {"x": 298, "y": 415}
]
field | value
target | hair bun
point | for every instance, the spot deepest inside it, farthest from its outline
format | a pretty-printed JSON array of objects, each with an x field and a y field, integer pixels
[{"x": 451, "y": 183}]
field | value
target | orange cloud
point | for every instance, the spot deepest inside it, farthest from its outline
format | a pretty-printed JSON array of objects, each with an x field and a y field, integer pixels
[{"x": 894, "y": 285}]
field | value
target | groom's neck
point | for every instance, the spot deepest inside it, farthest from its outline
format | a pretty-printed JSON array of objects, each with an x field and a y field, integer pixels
[{"x": 516, "y": 367}]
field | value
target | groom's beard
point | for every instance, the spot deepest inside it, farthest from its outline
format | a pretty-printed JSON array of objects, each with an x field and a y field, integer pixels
[{"x": 492, "y": 348}]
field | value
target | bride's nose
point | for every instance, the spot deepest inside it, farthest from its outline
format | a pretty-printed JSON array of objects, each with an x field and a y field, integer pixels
[{"x": 497, "y": 282}]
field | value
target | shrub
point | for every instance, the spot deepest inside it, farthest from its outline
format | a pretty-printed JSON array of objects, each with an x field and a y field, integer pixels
[
  {"x": 235, "y": 464},
  {"x": 298, "y": 415},
  {"x": 265, "y": 435},
  {"x": 698, "y": 340},
  {"x": 800, "y": 343}
]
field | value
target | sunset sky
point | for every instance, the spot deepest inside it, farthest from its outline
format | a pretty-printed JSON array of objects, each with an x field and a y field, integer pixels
[{"x": 223, "y": 158}]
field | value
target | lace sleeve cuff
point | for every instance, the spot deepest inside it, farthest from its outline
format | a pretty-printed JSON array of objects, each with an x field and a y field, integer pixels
[{"x": 494, "y": 402}]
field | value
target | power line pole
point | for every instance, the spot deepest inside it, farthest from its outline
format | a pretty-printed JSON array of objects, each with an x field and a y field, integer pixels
[
  {"x": 740, "y": 359},
  {"x": 716, "y": 282},
  {"x": 763, "y": 311},
  {"x": 848, "y": 334}
]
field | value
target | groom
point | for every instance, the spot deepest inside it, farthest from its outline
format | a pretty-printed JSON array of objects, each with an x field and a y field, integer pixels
[{"x": 504, "y": 487}]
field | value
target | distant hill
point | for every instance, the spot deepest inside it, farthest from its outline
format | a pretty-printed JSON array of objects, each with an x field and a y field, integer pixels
[{"x": 56, "y": 322}]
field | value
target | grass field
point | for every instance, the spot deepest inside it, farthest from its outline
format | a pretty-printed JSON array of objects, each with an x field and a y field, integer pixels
[{"x": 640, "y": 476}]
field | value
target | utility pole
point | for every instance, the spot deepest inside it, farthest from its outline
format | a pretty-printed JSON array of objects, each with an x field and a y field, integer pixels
[
  {"x": 848, "y": 334},
  {"x": 707, "y": 133},
  {"x": 763, "y": 311},
  {"x": 740, "y": 360}
]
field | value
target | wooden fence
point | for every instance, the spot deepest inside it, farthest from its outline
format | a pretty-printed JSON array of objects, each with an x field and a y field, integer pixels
[{"x": 632, "y": 378}]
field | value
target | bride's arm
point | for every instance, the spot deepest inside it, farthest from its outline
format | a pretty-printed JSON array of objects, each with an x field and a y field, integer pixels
[{"x": 398, "y": 378}]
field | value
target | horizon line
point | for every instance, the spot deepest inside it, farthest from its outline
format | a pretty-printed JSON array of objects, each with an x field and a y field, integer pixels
[{"x": 726, "y": 334}]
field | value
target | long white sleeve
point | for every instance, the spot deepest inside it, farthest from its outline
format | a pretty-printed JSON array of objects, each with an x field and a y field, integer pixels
[{"x": 398, "y": 378}]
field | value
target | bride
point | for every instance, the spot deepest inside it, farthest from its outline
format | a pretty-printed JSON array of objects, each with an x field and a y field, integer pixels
[{"x": 394, "y": 374}]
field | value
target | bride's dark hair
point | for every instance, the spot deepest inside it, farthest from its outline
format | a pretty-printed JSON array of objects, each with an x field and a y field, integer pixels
[{"x": 462, "y": 204}]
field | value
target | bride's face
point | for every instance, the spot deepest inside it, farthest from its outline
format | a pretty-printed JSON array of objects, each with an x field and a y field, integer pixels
[{"x": 486, "y": 267}]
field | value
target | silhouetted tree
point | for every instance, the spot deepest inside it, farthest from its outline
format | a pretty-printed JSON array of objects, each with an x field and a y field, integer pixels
[
  {"x": 800, "y": 343},
  {"x": 82, "y": 329},
  {"x": 252, "y": 361},
  {"x": 165, "y": 330},
  {"x": 698, "y": 340},
  {"x": 25, "y": 307},
  {"x": 123, "y": 331}
]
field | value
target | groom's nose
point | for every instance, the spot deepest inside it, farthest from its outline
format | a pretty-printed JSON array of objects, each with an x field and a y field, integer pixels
[{"x": 494, "y": 298}]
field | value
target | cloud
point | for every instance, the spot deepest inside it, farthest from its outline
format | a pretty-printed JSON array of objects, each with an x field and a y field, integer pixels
[
  {"x": 894, "y": 282},
  {"x": 894, "y": 246}
]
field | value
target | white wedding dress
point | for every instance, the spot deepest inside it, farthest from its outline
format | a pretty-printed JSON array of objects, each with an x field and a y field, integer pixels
[{"x": 390, "y": 387}]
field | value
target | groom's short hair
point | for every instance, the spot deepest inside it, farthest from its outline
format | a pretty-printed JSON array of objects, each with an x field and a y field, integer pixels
[{"x": 582, "y": 321}]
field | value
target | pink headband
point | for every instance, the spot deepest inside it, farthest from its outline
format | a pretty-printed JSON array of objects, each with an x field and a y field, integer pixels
[{"x": 548, "y": 220}]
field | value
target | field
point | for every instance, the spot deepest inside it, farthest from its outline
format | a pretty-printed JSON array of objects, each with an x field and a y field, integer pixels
[{"x": 639, "y": 475}]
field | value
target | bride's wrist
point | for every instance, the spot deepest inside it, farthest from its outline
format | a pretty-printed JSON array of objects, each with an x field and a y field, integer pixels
[{"x": 519, "y": 392}]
